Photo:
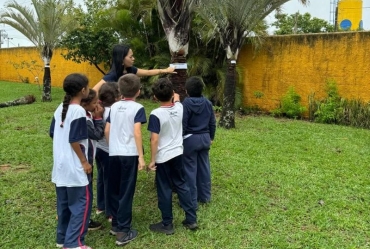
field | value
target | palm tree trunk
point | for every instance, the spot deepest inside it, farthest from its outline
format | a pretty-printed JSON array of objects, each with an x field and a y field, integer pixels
[
  {"x": 178, "y": 80},
  {"x": 227, "y": 119},
  {"x": 28, "y": 99},
  {"x": 46, "y": 55},
  {"x": 46, "y": 93},
  {"x": 175, "y": 16}
]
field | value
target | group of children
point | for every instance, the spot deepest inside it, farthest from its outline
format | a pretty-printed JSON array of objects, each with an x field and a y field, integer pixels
[{"x": 110, "y": 132}]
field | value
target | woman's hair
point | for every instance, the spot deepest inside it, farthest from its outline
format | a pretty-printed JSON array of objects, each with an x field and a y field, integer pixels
[
  {"x": 163, "y": 89},
  {"x": 120, "y": 51},
  {"x": 89, "y": 98},
  {"x": 72, "y": 85},
  {"x": 108, "y": 93}
]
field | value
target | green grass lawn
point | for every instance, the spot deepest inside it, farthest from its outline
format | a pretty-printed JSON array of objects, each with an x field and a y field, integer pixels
[{"x": 276, "y": 184}]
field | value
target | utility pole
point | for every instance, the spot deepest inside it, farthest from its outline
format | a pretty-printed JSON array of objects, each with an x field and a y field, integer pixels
[
  {"x": 295, "y": 28},
  {"x": 4, "y": 35},
  {"x": 8, "y": 38}
]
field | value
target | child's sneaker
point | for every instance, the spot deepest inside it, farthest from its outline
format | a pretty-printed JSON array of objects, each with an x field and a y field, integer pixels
[
  {"x": 59, "y": 245},
  {"x": 191, "y": 226},
  {"x": 160, "y": 228},
  {"x": 110, "y": 219},
  {"x": 123, "y": 238},
  {"x": 94, "y": 225},
  {"x": 113, "y": 231}
]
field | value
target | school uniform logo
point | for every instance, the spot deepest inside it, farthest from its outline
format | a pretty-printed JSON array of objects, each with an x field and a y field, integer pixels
[
  {"x": 173, "y": 114},
  {"x": 122, "y": 109}
]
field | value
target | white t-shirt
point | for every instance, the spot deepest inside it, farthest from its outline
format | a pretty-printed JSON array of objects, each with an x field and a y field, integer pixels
[
  {"x": 67, "y": 168},
  {"x": 122, "y": 118},
  {"x": 102, "y": 143},
  {"x": 167, "y": 122}
]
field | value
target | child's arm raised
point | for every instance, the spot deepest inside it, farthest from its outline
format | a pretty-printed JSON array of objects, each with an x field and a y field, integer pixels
[
  {"x": 85, "y": 164},
  {"x": 139, "y": 145},
  {"x": 176, "y": 97}
]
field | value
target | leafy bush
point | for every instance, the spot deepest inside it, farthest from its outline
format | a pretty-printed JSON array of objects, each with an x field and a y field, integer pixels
[
  {"x": 337, "y": 110},
  {"x": 290, "y": 105},
  {"x": 327, "y": 108}
]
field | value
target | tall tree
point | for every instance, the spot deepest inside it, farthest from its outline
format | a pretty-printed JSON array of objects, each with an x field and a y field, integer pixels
[
  {"x": 232, "y": 22},
  {"x": 94, "y": 37},
  {"x": 299, "y": 24},
  {"x": 43, "y": 26},
  {"x": 176, "y": 16}
]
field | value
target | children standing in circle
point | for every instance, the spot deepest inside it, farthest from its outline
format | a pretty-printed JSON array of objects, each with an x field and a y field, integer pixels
[
  {"x": 95, "y": 131},
  {"x": 71, "y": 167},
  {"x": 123, "y": 133},
  {"x": 199, "y": 125},
  {"x": 108, "y": 95},
  {"x": 165, "y": 125}
]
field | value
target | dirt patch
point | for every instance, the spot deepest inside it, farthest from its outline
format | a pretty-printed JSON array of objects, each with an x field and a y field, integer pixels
[
  {"x": 5, "y": 167},
  {"x": 18, "y": 168},
  {"x": 21, "y": 168}
]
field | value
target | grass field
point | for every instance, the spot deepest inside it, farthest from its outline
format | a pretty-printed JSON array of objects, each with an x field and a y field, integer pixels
[{"x": 277, "y": 183}]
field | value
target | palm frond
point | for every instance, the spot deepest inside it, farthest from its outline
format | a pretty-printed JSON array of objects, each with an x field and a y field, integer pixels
[
  {"x": 22, "y": 19},
  {"x": 43, "y": 25}
]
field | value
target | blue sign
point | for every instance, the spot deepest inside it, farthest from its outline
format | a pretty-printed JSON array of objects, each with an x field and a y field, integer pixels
[{"x": 345, "y": 24}]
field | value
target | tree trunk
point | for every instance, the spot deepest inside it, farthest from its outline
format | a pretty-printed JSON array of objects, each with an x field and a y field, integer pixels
[
  {"x": 176, "y": 16},
  {"x": 46, "y": 54},
  {"x": 178, "y": 80},
  {"x": 28, "y": 99},
  {"x": 46, "y": 93},
  {"x": 227, "y": 119}
]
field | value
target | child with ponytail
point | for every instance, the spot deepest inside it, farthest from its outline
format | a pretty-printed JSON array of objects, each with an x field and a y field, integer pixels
[{"x": 68, "y": 130}]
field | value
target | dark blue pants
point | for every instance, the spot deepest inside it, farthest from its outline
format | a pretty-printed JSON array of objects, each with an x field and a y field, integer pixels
[
  {"x": 121, "y": 188},
  {"x": 197, "y": 167},
  {"x": 90, "y": 178},
  {"x": 102, "y": 164},
  {"x": 169, "y": 172},
  {"x": 73, "y": 215}
]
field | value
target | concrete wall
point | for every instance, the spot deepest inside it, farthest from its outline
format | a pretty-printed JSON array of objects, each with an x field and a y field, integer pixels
[
  {"x": 306, "y": 62},
  {"x": 24, "y": 64}
]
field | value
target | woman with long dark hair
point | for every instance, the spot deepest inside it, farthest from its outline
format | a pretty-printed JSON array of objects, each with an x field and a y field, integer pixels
[{"x": 123, "y": 63}]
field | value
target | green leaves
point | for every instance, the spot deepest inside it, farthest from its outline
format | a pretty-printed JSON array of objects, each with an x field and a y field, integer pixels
[{"x": 300, "y": 23}]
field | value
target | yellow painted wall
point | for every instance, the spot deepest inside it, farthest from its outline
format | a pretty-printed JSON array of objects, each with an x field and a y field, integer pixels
[
  {"x": 306, "y": 62},
  {"x": 11, "y": 68},
  {"x": 350, "y": 10}
]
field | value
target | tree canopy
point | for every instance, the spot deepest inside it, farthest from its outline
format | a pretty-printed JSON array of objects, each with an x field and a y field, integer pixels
[
  {"x": 93, "y": 38},
  {"x": 299, "y": 24}
]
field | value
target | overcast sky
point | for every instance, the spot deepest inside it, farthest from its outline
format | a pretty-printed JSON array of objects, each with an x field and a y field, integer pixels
[{"x": 317, "y": 8}]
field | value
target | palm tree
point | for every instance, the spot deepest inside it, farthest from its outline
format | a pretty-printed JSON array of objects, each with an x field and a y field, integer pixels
[
  {"x": 232, "y": 21},
  {"x": 43, "y": 26},
  {"x": 176, "y": 16}
]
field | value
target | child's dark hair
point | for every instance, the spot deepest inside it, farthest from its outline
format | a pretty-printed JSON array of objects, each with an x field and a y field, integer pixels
[
  {"x": 108, "y": 93},
  {"x": 129, "y": 85},
  {"x": 72, "y": 85},
  {"x": 194, "y": 86},
  {"x": 89, "y": 98},
  {"x": 163, "y": 89}
]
